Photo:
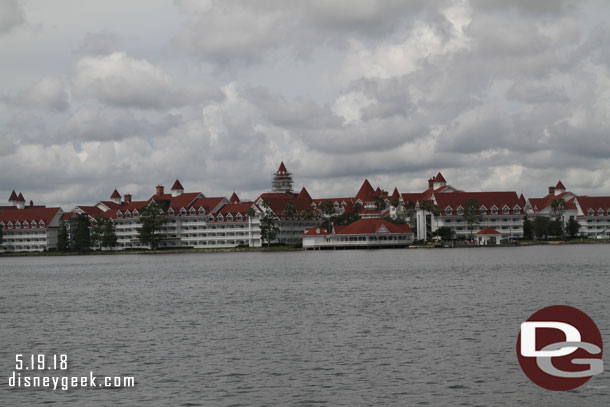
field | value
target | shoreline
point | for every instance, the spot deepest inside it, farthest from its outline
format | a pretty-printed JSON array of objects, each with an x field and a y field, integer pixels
[{"x": 528, "y": 243}]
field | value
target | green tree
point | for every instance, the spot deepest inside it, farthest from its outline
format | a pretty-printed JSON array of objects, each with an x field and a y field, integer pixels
[
  {"x": 63, "y": 238},
  {"x": 82, "y": 236},
  {"x": 328, "y": 209},
  {"x": 269, "y": 228},
  {"x": 290, "y": 209},
  {"x": 555, "y": 228},
  {"x": 395, "y": 202},
  {"x": 250, "y": 212},
  {"x": 541, "y": 227},
  {"x": 445, "y": 233},
  {"x": 152, "y": 219},
  {"x": 97, "y": 231},
  {"x": 471, "y": 215},
  {"x": 528, "y": 228},
  {"x": 410, "y": 214},
  {"x": 307, "y": 213},
  {"x": 399, "y": 220},
  {"x": 572, "y": 227},
  {"x": 557, "y": 205},
  {"x": 345, "y": 219},
  {"x": 357, "y": 207},
  {"x": 380, "y": 203},
  {"x": 109, "y": 237}
]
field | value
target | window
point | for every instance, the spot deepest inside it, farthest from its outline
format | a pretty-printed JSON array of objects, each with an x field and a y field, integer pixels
[
  {"x": 494, "y": 210},
  {"x": 182, "y": 211},
  {"x": 17, "y": 225},
  {"x": 9, "y": 225},
  {"x": 482, "y": 210},
  {"x": 26, "y": 224},
  {"x": 119, "y": 214},
  {"x": 460, "y": 211},
  {"x": 591, "y": 212},
  {"x": 41, "y": 224},
  {"x": 170, "y": 212},
  {"x": 33, "y": 224},
  {"x": 192, "y": 211},
  {"x": 600, "y": 212},
  {"x": 505, "y": 210},
  {"x": 127, "y": 214},
  {"x": 449, "y": 211},
  {"x": 201, "y": 211},
  {"x": 517, "y": 210}
]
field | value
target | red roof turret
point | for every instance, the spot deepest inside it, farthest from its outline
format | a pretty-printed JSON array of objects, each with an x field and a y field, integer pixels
[
  {"x": 560, "y": 186},
  {"x": 439, "y": 178},
  {"x": 282, "y": 168},
  {"x": 20, "y": 198},
  {"x": 304, "y": 195},
  {"x": 115, "y": 195},
  {"x": 366, "y": 192},
  {"x": 177, "y": 185},
  {"x": 234, "y": 199},
  {"x": 13, "y": 196}
]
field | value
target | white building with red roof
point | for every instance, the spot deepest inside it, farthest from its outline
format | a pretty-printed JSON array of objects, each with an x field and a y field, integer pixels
[
  {"x": 28, "y": 228},
  {"x": 591, "y": 212},
  {"x": 364, "y": 233}
]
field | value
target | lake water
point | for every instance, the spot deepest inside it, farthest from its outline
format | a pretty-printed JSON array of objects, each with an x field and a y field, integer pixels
[{"x": 385, "y": 327}]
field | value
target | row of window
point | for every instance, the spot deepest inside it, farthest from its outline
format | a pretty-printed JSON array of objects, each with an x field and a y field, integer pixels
[
  {"x": 26, "y": 225},
  {"x": 600, "y": 212},
  {"x": 483, "y": 210}
]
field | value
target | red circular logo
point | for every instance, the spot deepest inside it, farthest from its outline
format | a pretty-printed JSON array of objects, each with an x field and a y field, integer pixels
[{"x": 559, "y": 348}]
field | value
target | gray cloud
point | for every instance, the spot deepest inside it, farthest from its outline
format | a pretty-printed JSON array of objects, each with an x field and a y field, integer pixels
[
  {"x": 47, "y": 93},
  {"x": 11, "y": 15}
]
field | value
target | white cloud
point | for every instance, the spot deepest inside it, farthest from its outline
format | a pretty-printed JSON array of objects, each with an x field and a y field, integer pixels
[{"x": 47, "y": 93}]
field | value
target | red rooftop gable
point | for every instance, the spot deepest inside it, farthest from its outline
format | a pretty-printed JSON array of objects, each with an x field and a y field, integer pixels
[
  {"x": 13, "y": 196},
  {"x": 115, "y": 195},
  {"x": 234, "y": 199},
  {"x": 177, "y": 185},
  {"x": 488, "y": 231},
  {"x": 282, "y": 169},
  {"x": 304, "y": 195},
  {"x": 395, "y": 194},
  {"x": 439, "y": 178},
  {"x": 366, "y": 192},
  {"x": 20, "y": 198},
  {"x": 560, "y": 186}
]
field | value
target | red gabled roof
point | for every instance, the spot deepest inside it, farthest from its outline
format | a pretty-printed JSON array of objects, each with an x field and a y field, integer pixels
[
  {"x": 115, "y": 194},
  {"x": 395, "y": 194},
  {"x": 209, "y": 204},
  {"x": 92, "y": 211},
  {"x": 541, "y": 203},
  {"x": 304, "y": 195},
  {"x": 282, "y": 168},
  {"x": 20, "y": 198},
  {"x": 234, "y": 198},
  {"x": 68, "y": 215},
  {"x": 366, "y": 192},
  {"x": 371, "y": 226},
  {"x": 594, "y": 202},
  {"x": 234, "y": 209},
  {"x": 177, "y": 185},
  {"x": 411, "y": 197},
  {"x": 487, "y": 199},
  {"x": 183, "y": 200},
  {"x": 439, "y": 178},
  {"x": 488, "y": 231},
  {"x": 29, "y": 214},
  {"x": 560, "y": 185},
  {"x": 13, "y": 196}
]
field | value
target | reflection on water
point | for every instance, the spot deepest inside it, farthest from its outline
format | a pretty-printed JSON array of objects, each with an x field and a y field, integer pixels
[{"x": 387, "y": 327}]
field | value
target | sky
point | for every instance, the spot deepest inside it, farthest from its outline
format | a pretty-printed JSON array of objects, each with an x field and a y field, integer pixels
[{"x": 496, "y": 94}]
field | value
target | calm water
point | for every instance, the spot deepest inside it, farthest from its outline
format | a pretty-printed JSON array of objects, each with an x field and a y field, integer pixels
[{"x": 387, "y": 327}]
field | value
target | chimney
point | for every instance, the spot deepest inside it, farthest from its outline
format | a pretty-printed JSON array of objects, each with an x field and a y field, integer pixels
[
  {"x": 31, "y": 203},
  {"x": 160, "y": 190},
  {"x": 551, "y": 190},
  {"x": 127, "y": 198},
  {"x": 430, "y": 183}
]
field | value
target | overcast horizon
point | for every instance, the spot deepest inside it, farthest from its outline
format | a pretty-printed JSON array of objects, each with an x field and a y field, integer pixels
[{"x": 497, "y": 95}]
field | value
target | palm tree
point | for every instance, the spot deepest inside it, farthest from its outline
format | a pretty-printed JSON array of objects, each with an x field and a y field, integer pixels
[
  {"x": 290, "y": 210},
  {"x": 557, "y": 205}
]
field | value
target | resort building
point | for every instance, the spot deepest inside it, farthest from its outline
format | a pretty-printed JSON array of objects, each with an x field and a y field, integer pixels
[
  {"x": 364, "y": 233},
  {"x": 591, "y": 212},
  {"x": 28, "y": 228},
  {"x": 442, "y": 205}
]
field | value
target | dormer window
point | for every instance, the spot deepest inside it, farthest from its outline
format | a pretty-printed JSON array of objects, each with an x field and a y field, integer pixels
[
  {"x": 211, "y": 217},
  {"x": 517, "y": 210},
  {"x": 449, "y": 211},
  {"x": 9, "y": 225},
  {"x": 505, "y": 210},
  {"x": 119, "y": 214},
  {"x": 343, "y": 203},
  {"x": 460, "y": 210},
  {"x": 135, "y": 213},
  {"x": 2, "y": 225},
  {"x": 483, "y": 210},
  {"x": 494, "y": 210},
  {"x": 220, "y": 218},
  {"x": 33, "y": 224},
  {"x": 192, "y": 211},
  {"x": 127, "y": 214},
  {"x": 182, "y": 211},
  {"x": 170, "y": 212},
  {"x": 41, "y": 224},
  {"x": 26, "y": 224},
  {"x": 591, "y": 212},
  {"x": 201, "y": 211},
  {"x": 336, "y": 204},
  {"x": 600, "y": 212},
  {"x": 239, "y": 217},
  {"x": 17, "y": 225}
]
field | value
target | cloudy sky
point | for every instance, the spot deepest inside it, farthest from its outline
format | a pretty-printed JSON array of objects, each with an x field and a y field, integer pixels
[{"x": 498, "y": 94}]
